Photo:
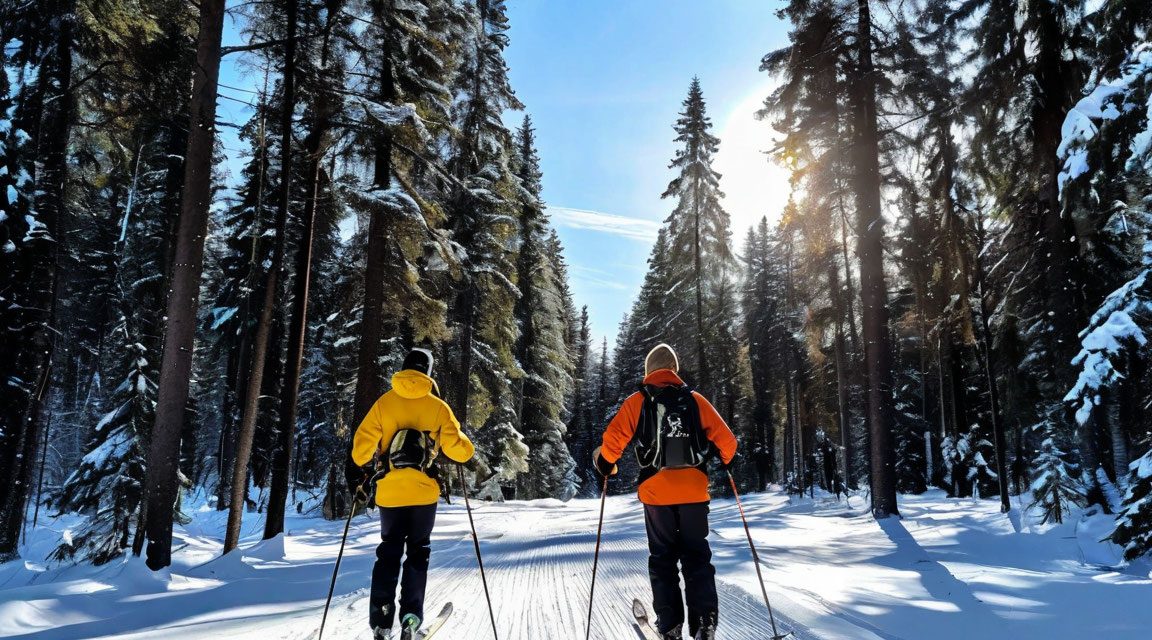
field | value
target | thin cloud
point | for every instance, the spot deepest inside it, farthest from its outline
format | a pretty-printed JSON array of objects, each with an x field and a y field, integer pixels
[
  {"x": 597, "y": 278},
  {"x": 633, "y": 228}
]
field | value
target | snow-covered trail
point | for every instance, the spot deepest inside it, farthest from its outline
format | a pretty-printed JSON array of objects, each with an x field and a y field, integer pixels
[
  {"x": 950, "y": 569},
  {"x": 538, "y": 559}
]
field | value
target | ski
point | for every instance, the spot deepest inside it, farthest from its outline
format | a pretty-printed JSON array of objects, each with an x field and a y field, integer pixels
[
  {"x": 437, "y": 622},
  {"x": 643, "y": 624}
]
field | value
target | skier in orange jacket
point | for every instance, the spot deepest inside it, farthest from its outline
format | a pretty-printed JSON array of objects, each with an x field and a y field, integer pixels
[{"x": 675, "y": 430}]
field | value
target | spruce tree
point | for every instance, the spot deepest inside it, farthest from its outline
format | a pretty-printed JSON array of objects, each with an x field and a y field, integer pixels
[
  {"x": 1056, "y": 487},
  {"x": 541, "y": 348},
  {"x": 762, "y": 308},
  {"x": 1104, "y": 187},
  {"x": 483, "y": 221},
  {"x": 699, "y": 243},
  {"x": 44, "y": 110},
  {"x": 410, "y": 71},
  {"x": 1018, "y": 133},
  {"x": 1133, "y": 529},
  {"x": 582, "y": 435}
]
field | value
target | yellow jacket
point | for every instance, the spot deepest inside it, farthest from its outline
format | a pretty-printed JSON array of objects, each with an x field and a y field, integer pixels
[{"x": 409, "y": 405}]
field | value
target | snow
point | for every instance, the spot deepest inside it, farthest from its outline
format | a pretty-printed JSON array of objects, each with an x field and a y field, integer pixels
[
  {"x": 1107, "y": 101},
  {"x": 222, "y": 315},
  {"x": 957, "y": 567},
  {"x": 1143, "y": 467}
]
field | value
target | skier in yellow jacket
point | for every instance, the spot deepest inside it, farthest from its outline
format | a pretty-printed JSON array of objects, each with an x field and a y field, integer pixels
[{"x": 407, "y": 428}]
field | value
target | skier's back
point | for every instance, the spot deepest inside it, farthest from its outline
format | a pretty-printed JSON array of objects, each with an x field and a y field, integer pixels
[
  {"x": 674, "y": 429},
  {"x": 409, "y": 426}
]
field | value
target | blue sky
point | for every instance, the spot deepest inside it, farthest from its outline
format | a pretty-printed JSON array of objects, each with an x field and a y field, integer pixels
[{"x": 603, "y": 81}]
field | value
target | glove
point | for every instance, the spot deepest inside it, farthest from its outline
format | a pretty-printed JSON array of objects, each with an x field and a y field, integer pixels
[
  {"x": 731, "y": 464},
  {"x": 603, "y": 467},
  {"x": 358, "y": 479}
]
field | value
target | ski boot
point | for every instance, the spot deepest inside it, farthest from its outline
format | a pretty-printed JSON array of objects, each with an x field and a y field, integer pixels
[
  {"x": 707, "y": 627},
  {"x": 380, "y": 633},
  {"x": 410, "y": 627},
  {"x": 674, "y": 633}
]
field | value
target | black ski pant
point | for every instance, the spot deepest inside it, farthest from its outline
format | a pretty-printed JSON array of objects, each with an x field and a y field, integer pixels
[
  {"x": 678, "y": 543},
  {"x": 404, "y": 531}
]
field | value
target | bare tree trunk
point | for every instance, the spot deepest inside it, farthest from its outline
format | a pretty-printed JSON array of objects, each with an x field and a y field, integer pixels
[
  {"x": 701, "y": 358},
  {"x": 789, "y": 429},
  {"x": 314, "y": 149},
  {"x": 188, "y": 264},
  {"x": 369, "y": 374},
  {"x": 873, "y": 291},
  {"x": 993, "y": 391},
  {"x": 843, "y": 397},
  {"x": 247, "y": 431}
]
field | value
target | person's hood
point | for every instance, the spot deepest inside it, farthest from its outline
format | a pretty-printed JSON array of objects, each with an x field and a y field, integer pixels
[
  {"x": 412, "y": 384},
  {"x": 663, "y": 378}
]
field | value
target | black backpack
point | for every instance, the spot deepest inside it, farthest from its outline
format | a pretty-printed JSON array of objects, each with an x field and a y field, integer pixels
[
  {"x": 412, "y": 449},
  {"x": 669, "y": 434}
]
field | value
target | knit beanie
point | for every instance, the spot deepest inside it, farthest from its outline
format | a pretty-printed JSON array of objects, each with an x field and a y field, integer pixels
[
  {"x": 419, "y": 360},
  {"x": 661, "y": 357}
]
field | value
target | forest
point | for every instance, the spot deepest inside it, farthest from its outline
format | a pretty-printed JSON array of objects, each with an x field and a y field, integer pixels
[{"x": 958, "y": 294}]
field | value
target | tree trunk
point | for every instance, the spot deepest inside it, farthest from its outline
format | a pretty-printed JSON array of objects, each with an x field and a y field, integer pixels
[
  {"x": 369, "y": 374},
  {"x": 789, "y": 430},
  {"x": 30, "y": 303},
  {"x": 701, "y": 358},
  {"x": 993, "y": 391},
  {"x": 843, "y": 398},
  {"x": 247, "y": 431},
  {"x": 176, "y": 366},
  {"x": 314, "y": 148},
  {"x": 873, "y": 292}
]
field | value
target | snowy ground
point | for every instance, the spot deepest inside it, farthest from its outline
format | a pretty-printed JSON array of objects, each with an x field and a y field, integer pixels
[{"x": 950, "y": 569}]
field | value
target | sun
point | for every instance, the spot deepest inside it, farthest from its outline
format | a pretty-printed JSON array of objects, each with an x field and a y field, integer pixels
[{"x": 754, "y": 186}]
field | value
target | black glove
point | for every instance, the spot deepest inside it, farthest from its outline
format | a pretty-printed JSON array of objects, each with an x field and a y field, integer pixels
[
  {"x": 731, "y": 464},
  {"x": 603, "y": 467},
  {"x": 359, "y": 478}
]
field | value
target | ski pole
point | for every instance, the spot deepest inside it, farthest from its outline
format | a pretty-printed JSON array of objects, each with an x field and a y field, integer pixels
[
  {"x": 339, "y": 557},
  {"x": 596, "y": 557},
  {"x": 756, "y": 559},
  {"x": 476, "y": 543}
]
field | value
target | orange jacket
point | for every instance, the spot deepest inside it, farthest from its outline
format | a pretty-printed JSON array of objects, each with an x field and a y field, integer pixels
[{"x": 669, "y": 486}]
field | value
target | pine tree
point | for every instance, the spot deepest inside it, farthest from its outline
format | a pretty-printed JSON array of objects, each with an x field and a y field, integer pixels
[
  {"x": 324, "y": 74},
  {"x": 762, "y": 310},
  {"x": 239, "y": 264},
  {"x": 699, "y": 242},
  {"x": 108, "y": 483},
  {"x": 1056, "y": 488},
  {"x": 1104, "y": 185},
  {"x": 581, "y": 435},
  {"x": 410, "y": 70},
  {"x": 161, "y": 480},
  {"x": 541, "y": 349},
  {"x": 483, "y": 222},
  {"x": 1133, "y": 529},
  {"x": 1018, "y": 133},
  {"x": 272, "y": 296},
  {"x": 44, "y": 111}
]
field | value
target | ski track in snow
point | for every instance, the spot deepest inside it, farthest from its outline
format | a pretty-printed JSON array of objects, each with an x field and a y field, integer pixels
[{"x": 952, "y": 569}]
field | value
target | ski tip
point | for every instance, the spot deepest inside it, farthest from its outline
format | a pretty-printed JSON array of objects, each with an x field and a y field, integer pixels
[
  {"x": 638, "y": 608},
  {"x": 446, "y": 609}
]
